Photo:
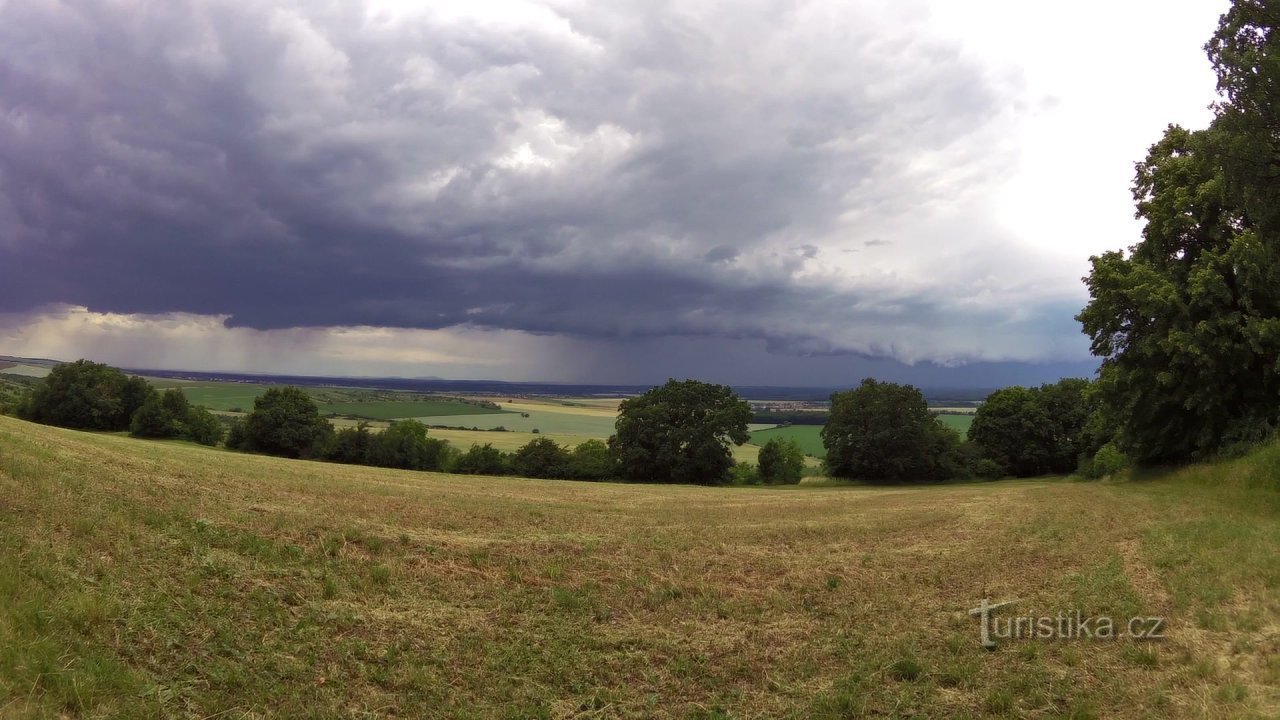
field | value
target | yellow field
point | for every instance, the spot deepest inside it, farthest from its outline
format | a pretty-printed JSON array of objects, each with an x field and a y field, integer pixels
[{"x": 149, "y": 579}]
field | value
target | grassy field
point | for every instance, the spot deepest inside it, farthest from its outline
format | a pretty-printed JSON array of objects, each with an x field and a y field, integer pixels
[
  {"x": 150, "y": 579},
  {"x": 369, "y": 404},
  {"x": 391, "y": 410},
  {"x": 808, "y": 437},
  {"x": 959, "y": 423}
]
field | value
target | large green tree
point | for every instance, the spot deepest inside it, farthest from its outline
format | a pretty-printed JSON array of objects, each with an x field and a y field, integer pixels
[
  {"x": 86, "y": 395},
  {"x": 885, "y": 433},
  {"x": 285, "y": 421},
  {"x": 1035, "y": 431},
  {"x": 1187, "y": 321},
  {"x": 680, "y": 432}
]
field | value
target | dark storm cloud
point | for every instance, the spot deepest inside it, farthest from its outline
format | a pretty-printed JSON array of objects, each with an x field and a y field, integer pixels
[{"x": 639, "y": 170}]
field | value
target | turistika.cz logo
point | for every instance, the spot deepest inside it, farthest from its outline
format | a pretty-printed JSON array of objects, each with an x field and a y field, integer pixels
[{"x": 1068, "y": 625}]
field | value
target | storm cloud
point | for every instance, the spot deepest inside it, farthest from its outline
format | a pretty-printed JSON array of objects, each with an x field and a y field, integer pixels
[{"x": 626, "y": 170}]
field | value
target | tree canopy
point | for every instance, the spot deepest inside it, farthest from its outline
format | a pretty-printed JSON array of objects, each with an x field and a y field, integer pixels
[
  {"x": 885, "y": 433},
  {"x": 285, "y": 421},
  {"x": 680, "y": 432},
  {"x": 1187, "y": 321},
  {"x": 1034, "y": 431},
  {"x": 85, "y": 395}
]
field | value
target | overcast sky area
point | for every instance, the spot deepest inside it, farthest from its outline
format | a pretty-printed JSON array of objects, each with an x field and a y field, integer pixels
[{"x": 752, "y": 192}]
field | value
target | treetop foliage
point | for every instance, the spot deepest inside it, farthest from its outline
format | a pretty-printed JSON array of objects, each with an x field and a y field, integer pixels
[
  {"x": 1187, "y": 322},
  {"x": 680, "y": 432}
]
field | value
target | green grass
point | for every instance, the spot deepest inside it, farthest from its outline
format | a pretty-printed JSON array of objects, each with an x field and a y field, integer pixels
[
  {"x": 959, "y": 423},
  {"x": 808, "y": 437},
  {"x": 392, "y": 410},
  {"x": 367, "y": 404},
  {"x": 558, "y": 423},
  {"x": 157, "y": 579}
]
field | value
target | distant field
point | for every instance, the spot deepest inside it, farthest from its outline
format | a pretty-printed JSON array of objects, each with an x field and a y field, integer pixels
[
  {"x": 391, "y": 409},
  {"x": 222, "y": 396},
  {"x": 808, "y": 437},
  {"x": 587, "y": 424},
  {"x": 959, "y": 423},
  {"x": 229, "y": 396},
  {"x": 145, "y": 579}
]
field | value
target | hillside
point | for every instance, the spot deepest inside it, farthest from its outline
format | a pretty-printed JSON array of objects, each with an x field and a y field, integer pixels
[{"x": 160, "y": 579}]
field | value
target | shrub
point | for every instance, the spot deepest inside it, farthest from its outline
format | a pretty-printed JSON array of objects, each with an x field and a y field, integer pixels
[
  {"x": 744, "y": 473},
  {"x": 1107, "y": 461},
  {"x": 202, "y": 426},
  {"x": 405, "y": 445},
  {"x": 350, "y": 445},
  {"x": 541, "y": 458},
  {"x": 781, "y": 462},
  {"x": 591, "y": 460},
  {"x": 482, "y": 460}
]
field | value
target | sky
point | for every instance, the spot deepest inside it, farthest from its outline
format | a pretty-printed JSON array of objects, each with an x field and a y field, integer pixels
[{"x": 752, "y": 192}]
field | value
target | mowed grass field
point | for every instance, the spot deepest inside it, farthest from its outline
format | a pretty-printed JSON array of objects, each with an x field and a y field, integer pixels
[{"x": 152, "y": 579}]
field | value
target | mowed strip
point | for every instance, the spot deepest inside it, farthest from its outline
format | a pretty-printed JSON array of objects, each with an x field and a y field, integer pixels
[{"x": 149, "y": 578}]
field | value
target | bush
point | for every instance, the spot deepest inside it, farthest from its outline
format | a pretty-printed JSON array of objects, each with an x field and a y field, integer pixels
[
  {"x": 86, "y": 395},
  {"x": 202, "y": 426},
  {"x": 1036, "y": 431},
  {"x": 405, "y": 445},
  {"x": 350, "y": 445},
  {"x": 744, "y": 473},
  {"x": 781, "y": 462},
  {"x": 1107, "y": 461},
  {"x": 482, "y": 460},
  {"x": 591, "y": 460},
  {"x": 153, "y": 420},
  {"x": 541, "y": 458}
]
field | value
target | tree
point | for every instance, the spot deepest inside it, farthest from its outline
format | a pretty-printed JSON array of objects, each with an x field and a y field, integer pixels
[
  {"x": 86, "y": 395},
  {"x": 482, "y": 460},
  {"x": 202, "y": 426},
  {"x": 350, "y": 445},
  {"x": 781, "y": 462},
  {"x": 1187, "y": 322},
  {"x": 680, "y": 432},
  {"x": 884, "y": 433},
  {"x": 1035, "y": 431},
  {"x": 541, "y": 458},
  {"x": 591, "y": 460},
  {"x": 285, "y": 421},
  {"x": 162, "y": 415},
  {"x": 153, "y": 420},
  {"x": 405, "y": 445}
]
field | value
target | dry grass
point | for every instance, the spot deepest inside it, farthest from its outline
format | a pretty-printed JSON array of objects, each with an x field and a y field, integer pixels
[{"x": 156, "y": 579}]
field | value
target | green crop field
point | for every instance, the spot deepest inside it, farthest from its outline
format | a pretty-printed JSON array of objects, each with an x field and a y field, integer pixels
[
  {"x": 391, "y": 410},
  {"x": 585, "y": 424},
  {"x": 808, "y": 437},
  {"x": 959, "y": 423},
  {"x": 222, "y": 396},
  {"x": 160, "y": 579},
  {"x": 369, "y": 404}
]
